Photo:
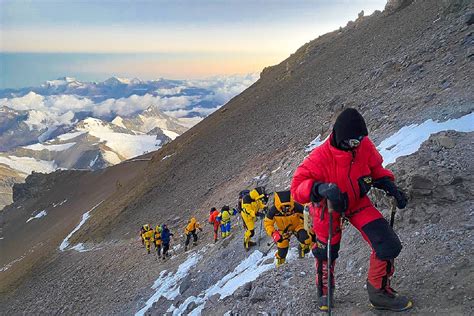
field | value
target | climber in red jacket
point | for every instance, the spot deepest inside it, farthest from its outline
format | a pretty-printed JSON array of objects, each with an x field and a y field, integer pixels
[
  {"x": 342, "y": 170},
  {"x": 213, "y": 219}
]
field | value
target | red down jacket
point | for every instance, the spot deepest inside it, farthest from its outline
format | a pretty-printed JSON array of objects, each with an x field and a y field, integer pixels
[{"x": 346, "y": 169}]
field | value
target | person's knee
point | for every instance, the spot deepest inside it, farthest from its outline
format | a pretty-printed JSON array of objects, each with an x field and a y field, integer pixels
[
  {"x": 252, "y": 233},
  {"x": 303, "y": 237},
  {"x": 320, "y": 251},
  {"x": 383, "y": 239}
]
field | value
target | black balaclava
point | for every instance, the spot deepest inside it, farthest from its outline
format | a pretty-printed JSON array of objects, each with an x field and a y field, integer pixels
[{"x": 349, "y": 125}]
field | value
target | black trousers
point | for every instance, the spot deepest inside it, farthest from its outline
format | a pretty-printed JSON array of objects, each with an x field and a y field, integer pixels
[{"x": 188, "y": 237}]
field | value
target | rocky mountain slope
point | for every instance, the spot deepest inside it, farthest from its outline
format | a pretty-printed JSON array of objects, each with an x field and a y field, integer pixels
[{"x": 400, "y": 68}]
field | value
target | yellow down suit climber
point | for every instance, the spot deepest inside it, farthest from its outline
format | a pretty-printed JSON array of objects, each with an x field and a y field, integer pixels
[
  {"x": 190, "y": 231},
  {"x": 157, "y": 238},
  {"x": 148, "y": 237},
  {"x": 252, "y": 206},
  {"x": 287, "y": 216}
]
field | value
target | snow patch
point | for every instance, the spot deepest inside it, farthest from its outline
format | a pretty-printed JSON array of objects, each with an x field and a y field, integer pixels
[
  {"x": 314, "y": 143},
  {"x": 170, "y": 134},
  {"x": 10, "y": 264},
  {"x": 68, "y": 136},
  {"x": 92, "y": 163},
  {"x": 59, "y": 147},
  {"x": 167, "y": 284},
  {"x": 39, "y": 215},
  {"x": 80, "y": 248},
  {"x": 409, "y": 138},
  {"x": 85, "y": 217},
  {"x": 27, "y": 165},
  {"x": 126, "y": 145},
  {"x": 167, "y": 156}
]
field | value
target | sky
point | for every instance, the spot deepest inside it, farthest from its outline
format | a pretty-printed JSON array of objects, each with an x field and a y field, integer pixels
[{"x": 95, "y": 39}]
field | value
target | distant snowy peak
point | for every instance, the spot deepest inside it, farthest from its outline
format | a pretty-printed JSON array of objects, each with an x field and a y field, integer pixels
[
  {"x": 118, "y": 121},
  {"x": 150, "y": 120},
  {"x": 91, "y": 124},
  {"x": 115, "y": 81},
  {"x": 64, "y": 81}
]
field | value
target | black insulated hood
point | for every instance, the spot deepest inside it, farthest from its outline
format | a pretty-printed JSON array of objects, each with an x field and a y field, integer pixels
[{"x": 349, "y": 125}]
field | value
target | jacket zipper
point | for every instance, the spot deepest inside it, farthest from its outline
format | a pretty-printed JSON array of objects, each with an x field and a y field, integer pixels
[{"x": 349, "y": 175}]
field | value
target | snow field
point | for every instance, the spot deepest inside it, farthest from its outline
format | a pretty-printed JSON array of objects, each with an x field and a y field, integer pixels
[
  {"x": 27, "y": 165},
  {"x": 126, "y": 145},
  {"x": 59, "y": 147}
]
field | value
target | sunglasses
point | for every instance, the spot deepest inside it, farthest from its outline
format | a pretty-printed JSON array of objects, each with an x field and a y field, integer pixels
[{"x": 352, "y": 143}]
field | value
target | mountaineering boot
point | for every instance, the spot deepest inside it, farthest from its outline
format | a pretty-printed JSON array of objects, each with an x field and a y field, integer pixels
[
  {"x": 302, "y": 250},
  {"x": 195, "y": 243},
  {"x": 185, "y": 248},
  {"x": 248, "y": 244},
  {"x": 323, "y": 302},
  {"x": 322, "y": 283},
  {"x": 280, "y": 261},
  {"x": 387, "y": 299}
]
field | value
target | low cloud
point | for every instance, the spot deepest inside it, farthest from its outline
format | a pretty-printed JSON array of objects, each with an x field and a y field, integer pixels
[{"x": 176, "y": 101}]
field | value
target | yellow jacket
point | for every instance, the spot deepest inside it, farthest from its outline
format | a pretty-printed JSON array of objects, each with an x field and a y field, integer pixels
[
  {"x": 252, "y": 203},
  {"x": 284, "y": 223},
  {"x": 149, "y": 235},
  {"x": 192, "y": 226},
  {"x": 157, "y": 235},
  {"x": 285, "y": 214}
]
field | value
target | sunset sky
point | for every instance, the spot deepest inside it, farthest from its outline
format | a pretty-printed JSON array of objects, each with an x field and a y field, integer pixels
[{"x": 93, "y": 40}]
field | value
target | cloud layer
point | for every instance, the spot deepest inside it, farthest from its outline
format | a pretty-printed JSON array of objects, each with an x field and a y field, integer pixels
[{"x": 178, "y": 99}]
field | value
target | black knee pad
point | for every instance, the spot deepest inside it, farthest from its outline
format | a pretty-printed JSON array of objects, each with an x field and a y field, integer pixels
[
  {"x": 302, "y": 235},
  {"x": 252, "y": 233},
  {"x": 282, "y": 252},
  {"x": 321, "y": 251},
  {"x": 383, "y": 239}
]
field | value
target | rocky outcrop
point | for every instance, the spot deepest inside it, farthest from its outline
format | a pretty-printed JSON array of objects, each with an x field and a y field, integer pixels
[{"x": 38, "y": 184}]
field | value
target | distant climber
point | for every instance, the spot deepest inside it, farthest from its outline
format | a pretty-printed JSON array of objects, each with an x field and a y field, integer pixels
[
  {"x": 287, "y": 216},
  {"x": 165, "y": 239},
  {"x": 157, "y": 238},
  {"x": 147, "y": 237},
  {"x": 252, "y": 207},
  {"x": 190, "y": 231},
  {"x": 143, "y": 229},
  {"x": 213, "y": 220},
  {"x": 224, "y": 217},
  {"x": 342, "y": 170}
]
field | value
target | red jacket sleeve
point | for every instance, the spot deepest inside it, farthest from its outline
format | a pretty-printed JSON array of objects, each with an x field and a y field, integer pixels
[
  {"x": 305, "y": 175},
  {"x": 375, "y": 164}
]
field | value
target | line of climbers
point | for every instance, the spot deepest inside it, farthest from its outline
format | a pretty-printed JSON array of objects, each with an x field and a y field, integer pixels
[
  {"x": 341, "y": 171},
  {"x": 160, "y": 237}
]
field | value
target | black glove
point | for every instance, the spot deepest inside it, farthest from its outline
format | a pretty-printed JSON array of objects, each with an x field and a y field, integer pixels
[
  {"x": 261, "y": 215},
  {"x": 331, "y": 192},
  {"x": 388, "y": 186}
]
